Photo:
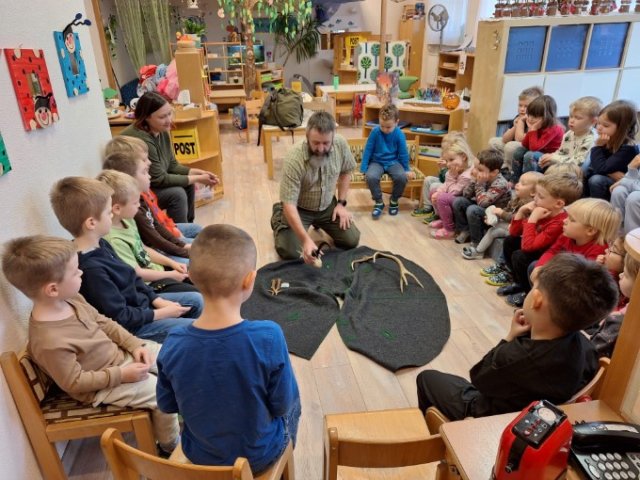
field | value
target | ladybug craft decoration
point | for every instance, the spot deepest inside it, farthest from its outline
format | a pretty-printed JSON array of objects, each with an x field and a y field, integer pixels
[{"x": 70, "y": 57}]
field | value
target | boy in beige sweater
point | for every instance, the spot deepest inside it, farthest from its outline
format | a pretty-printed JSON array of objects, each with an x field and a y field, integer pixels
[{"x": 87, "y": 355}]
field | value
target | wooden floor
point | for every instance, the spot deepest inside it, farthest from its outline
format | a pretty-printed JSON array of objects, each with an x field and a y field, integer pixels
[{"x": 337, "y": 379}]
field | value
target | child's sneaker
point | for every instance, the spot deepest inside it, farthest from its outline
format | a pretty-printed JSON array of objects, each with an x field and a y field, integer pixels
[
  {"x": 430, "y": 217},
  {"x": 422, "y": 212},
  {"x": 393, "y": 207},
  {"x": 499, "y": 280},
  {"x": 443, "y": 234},
  {"x": 463, "y": 237},
  {"x": 437, "y": 224},
  {"x": 516, "y": 300},
  {"x": 470, "y": 253},
  {"x": 492, "y": 270},
  {"x": 377, "y": 210}
]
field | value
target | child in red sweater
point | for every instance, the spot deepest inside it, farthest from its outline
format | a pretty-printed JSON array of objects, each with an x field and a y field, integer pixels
[
  {"x": 544, "y": 136},
  {"x": 534, "y": 228}
]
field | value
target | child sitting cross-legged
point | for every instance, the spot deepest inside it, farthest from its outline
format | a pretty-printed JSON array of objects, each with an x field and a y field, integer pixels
[
  {"x": 87, "y": 355},
  {"x": 386, "y": 152},
  {"x": 459, "y": 166},
  {"x": 498, "y": 218},
  {"x": 533, "y": 229},
  {"x": 124, "y": 237},
  {"x": 488, "y": 187},
  {"x": 124, "y": 149},
  {"x": 544, "y": 355},
  {"x": 229, "y": 378},
  {"x": 83, "y": 208}
]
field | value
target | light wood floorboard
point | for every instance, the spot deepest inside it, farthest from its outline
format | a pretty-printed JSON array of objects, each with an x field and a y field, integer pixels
[{"x": 336, "y": 379}]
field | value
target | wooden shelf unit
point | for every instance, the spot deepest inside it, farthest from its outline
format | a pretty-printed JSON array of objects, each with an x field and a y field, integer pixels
[
  {"x": 454, "y": 119},
  {"x": 412, "y": 31},
  {"x": 218, "y": 61},
  {"x": 278, "y": 82},
  {"x": 448, "y": 76}
]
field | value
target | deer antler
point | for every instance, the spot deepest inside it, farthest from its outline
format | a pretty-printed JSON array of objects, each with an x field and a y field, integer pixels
[
  {"x": 404, "y": 273},
  {"x": 276, "y": 285}
]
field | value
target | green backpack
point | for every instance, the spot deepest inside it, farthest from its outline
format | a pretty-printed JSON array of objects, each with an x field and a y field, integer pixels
[{"x": 282, "y": 108}]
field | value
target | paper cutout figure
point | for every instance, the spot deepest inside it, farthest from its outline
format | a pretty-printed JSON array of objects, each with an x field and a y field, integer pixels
[
  {"x": 32, "y": 86},
  {"x": 70, "y": 56},
  {"x": 5, "y": 166}
]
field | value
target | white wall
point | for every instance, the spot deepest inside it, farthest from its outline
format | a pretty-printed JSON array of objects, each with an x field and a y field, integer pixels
[{"x": 69, "y": 147}]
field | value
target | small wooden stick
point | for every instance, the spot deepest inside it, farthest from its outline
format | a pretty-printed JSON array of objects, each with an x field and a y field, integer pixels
[
  {"x": 276, "y": 285},
  {"x": 404, "y": 273}
]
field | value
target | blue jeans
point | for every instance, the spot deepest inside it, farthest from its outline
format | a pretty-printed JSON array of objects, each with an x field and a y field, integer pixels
[
  {"x": 597, "y": 186},
  {"x": 524, "y": 161},
  {"x": 189, "y": 231},
  {"x": 397, "y": 174},
  {"x": 158, "y": 330},
  {"x": 469, "y": 217}
]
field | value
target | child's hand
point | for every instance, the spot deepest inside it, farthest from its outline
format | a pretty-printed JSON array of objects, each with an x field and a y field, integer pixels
[
  {"x": 544, "y": 160},
  {"x": 434, "y": 197},
  {"x": 498, "y": 211},
  {"x": 442, "y": 163},
  {"x": 410, "y": 175},
  {"x": 187, "y": 246},
  {"x": 534, "y": 125},
  {"x": 142, "y": 355},
  {"x": 616, "y": 176},
  {"x": 178, "y": 267},
  {"x": 176, "y": 275},
  {"x": 134, "y": 372},
  {"x": 602, "y": 140},
  {"x": 525, "y": 210},
  {"x": 538, "y": 214},
  {"x": 600, "y": 259},
  {"x": 635, "y": 163},
  {"x": 520, "y": 120},
  {"x": 482, "y": 177},
  {"x": 614, "y": 185},
  {"x": 172, "y": 310},
  {"x": 519, "y": 325}
]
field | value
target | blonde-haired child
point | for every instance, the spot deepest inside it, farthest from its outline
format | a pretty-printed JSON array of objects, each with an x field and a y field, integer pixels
[
  {"x": 576, "y": 143},
  {"x": 499, "y": 218},
  {"x": 568, "y": 167},
  {"x": 614, "y": 149},
  {"x": 431, "y": 183},
  {"x": 590, "y": 225}
]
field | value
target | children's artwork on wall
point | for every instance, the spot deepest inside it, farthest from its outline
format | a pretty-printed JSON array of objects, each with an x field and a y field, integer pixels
[
  {"x": 387, "y": 86},
  {"x": 70, "y": 56},
  {"x": 368, "y": 57},
  {"x": 5, "y": 166},
  {"x": 32, "y": 85}
]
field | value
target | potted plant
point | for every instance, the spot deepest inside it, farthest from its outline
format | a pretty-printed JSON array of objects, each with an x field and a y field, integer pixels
[
  {"x": 301, "y": 41},
  {"x": 195, "y": 28}
]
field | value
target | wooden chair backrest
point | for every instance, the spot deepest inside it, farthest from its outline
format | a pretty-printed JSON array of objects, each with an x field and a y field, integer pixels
[
  {"x": 27, "y": 392},
  {"x": 592, "y": 388},
  {"x": 129, "y": 463},
  {"x": 364, "y": 454},
  {"x": 318, "y": 105},
  {"x": 253, "y": 106}
]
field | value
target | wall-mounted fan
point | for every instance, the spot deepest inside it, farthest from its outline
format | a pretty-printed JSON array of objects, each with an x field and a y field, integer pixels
[{"x": 438, "y": 17}]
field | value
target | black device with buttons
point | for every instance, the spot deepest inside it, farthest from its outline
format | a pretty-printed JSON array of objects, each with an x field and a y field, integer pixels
[{"x": 606, "y": 450}]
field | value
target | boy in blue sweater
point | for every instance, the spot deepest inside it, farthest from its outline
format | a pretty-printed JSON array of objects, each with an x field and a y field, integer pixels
[
  {"x": 229, "y": 378},
  {"x": 83, "y": 208},
  {"x": 386, "y": 152}
]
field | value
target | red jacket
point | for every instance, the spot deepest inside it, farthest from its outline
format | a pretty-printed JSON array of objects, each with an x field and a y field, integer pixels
[
  {"x": 161, "y": 215},
  {"x": 547, "y": 140},
  {"x": 565, "y": 244},
  {"x": 538, "y": 236}
]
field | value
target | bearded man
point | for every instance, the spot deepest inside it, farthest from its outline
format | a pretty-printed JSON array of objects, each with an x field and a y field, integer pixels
[{"x": 312, "y": 171}]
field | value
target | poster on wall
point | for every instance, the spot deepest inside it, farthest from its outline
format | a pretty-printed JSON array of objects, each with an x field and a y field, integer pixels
[
  {"x": 5, "y": 166},
  {"x": 70, "y": 56},
  {"x": 32, "y": 85}
]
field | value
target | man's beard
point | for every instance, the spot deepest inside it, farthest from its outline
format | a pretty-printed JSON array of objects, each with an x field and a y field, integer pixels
[{"x": 316, "y": 162}]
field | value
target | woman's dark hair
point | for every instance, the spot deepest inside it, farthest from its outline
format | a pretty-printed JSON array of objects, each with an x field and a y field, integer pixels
[
  {"x": 148, "y": 103},
  {"x": 543, "y": 107}
]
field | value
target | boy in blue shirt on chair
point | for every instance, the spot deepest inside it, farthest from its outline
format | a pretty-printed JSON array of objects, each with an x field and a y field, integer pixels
[
  {"x": 229, "y": 378},
  {"x": 386, "y": 152}
]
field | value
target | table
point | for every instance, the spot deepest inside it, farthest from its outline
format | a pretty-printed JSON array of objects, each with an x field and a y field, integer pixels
[
  {"x": 472, "y": 445},
  {"x": 357, "y": 88},
  {"x": 118, "y": 124},
  {"x": 232, "y": 96}
]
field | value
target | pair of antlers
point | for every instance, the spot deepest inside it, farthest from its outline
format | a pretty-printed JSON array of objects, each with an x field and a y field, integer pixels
[{"x": 404, "y": 273}]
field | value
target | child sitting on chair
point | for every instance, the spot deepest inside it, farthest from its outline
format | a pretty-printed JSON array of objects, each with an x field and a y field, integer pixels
[
  {"x": 544, "y": 355},
  {"x": 87, "y": 355},
  {"x": 386, "y": 152},
  {"x": 229, "y": 378}
]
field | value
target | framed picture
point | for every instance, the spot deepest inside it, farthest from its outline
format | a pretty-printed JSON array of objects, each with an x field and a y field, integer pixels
[
  {"x": 70, "y": 56},
  {"x": 5, "y": 166},
  {"x": 32, "y": 85}
]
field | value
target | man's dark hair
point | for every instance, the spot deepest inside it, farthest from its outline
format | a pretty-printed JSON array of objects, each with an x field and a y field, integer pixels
[
  {"x": 580, "y": 292},
  {"x": 322, "y": 122}
]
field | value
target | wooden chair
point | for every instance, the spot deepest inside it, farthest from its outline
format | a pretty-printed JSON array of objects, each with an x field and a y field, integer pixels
[
  {"x": 344, "y": 104},
  {"x": 253, "y": 108},
  {"x": 381, "y": 439},
  {"x": 49, "y": 415},
  {"x": 129, "y": 463},
  {"x": 592, "y": 389},
  {"x": 358, "y": 180}
]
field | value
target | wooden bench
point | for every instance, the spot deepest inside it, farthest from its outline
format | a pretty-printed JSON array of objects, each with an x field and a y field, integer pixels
[
  {"x": 50, "y": 415},
  {"x": 358, "y": 180}
]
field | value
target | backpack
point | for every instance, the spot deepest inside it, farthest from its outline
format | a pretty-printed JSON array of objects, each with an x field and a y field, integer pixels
[
  {"x": 239, "y": 117},
  {"x": 282, "y": 108}
]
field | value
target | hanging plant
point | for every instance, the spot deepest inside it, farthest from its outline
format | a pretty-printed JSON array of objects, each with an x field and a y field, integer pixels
[{"x": 110, "y": 34}]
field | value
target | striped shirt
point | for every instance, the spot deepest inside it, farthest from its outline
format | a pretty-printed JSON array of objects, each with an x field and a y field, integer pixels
[{"x": 301, "y": 185}]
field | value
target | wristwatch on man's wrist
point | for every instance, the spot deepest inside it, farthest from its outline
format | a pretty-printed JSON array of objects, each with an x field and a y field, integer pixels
[{"x": 342, "y": 202}]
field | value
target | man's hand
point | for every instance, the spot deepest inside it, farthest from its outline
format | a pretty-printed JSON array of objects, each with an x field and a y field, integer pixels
[
  {"x": 142, "y": 355},
  {"x": 308, "y": 248},
  {"x": 538, "y": 214},
  {"x": 410, "y": 175},
  {"x": 340, "y": 212},
  {"x": 519, "y": 325},
  {"x": 134, "y": 372}
]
